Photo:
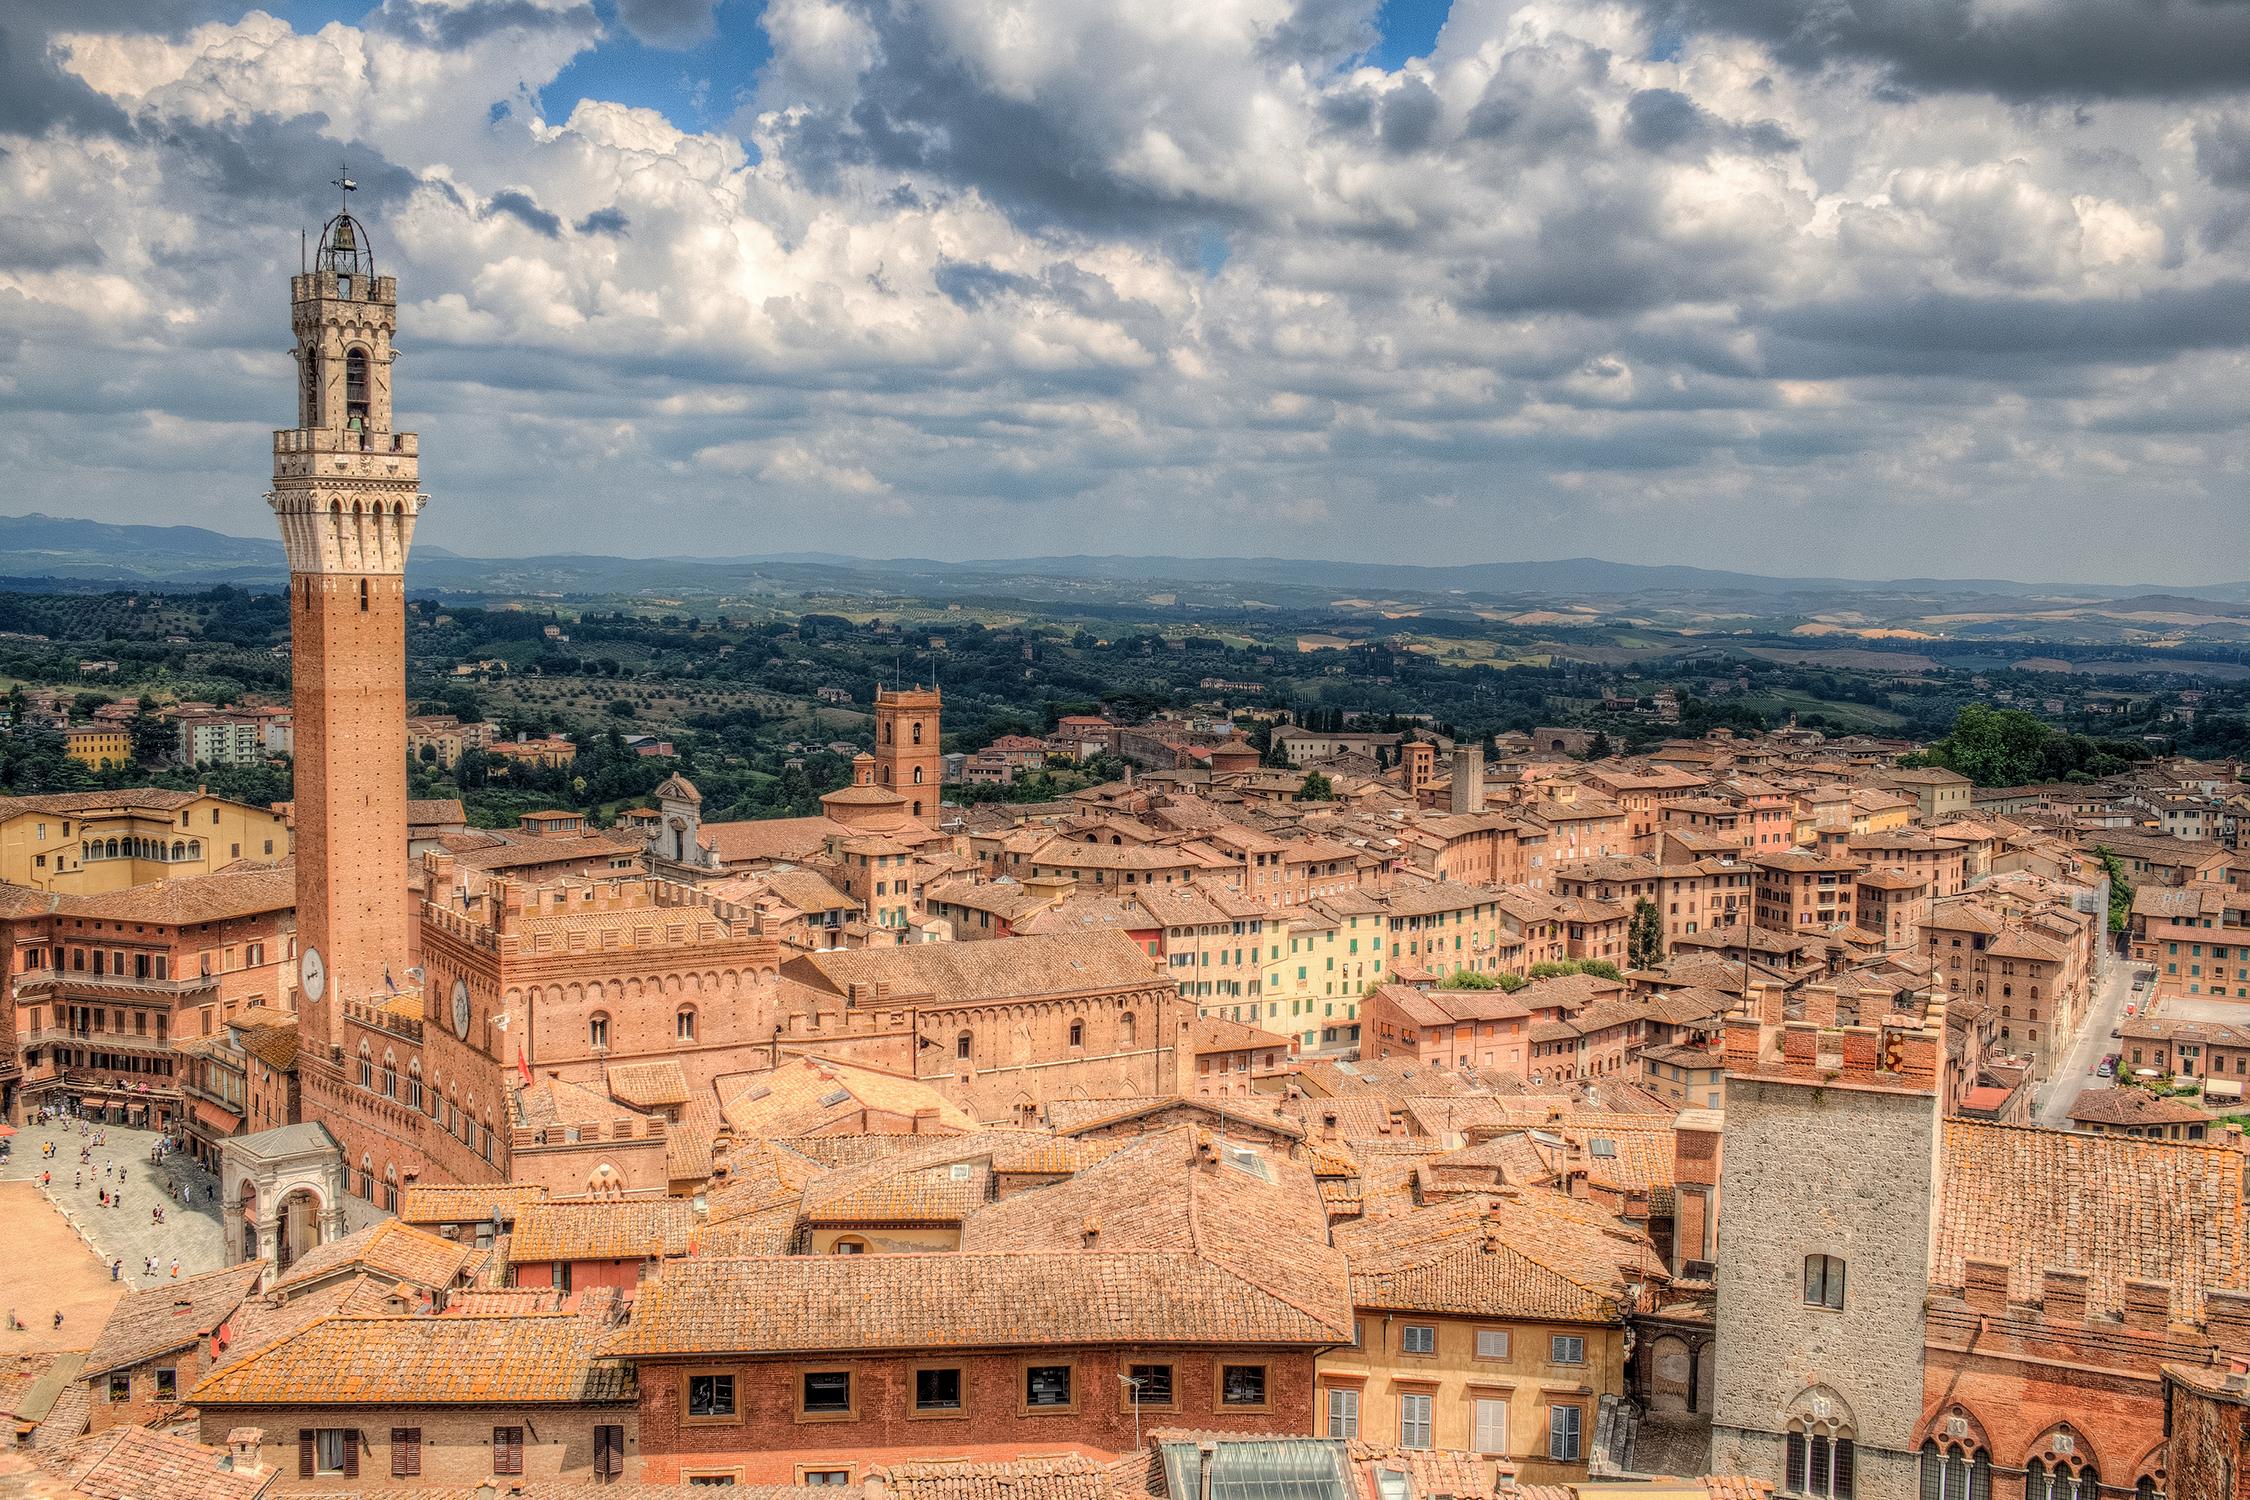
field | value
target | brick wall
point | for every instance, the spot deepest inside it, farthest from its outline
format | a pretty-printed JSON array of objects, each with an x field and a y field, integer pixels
[{"x": 771, "y": 1443}]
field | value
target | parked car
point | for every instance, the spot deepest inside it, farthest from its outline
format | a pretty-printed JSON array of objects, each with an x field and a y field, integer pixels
[{"x": 2116, "y": 1033}]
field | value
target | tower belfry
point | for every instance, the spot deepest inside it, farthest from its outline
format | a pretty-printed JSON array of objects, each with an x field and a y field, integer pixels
[{"x": 346, "y": 491}]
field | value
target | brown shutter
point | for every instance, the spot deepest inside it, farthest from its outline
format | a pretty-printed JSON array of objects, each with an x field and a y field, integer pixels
[
  {"x": 351, "y": 1453},
  {"x": 304, "y": 1453},
  {"x": 406, "y": 1452}
]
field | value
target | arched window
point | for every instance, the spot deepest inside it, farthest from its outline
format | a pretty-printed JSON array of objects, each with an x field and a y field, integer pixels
[
  {"x": 367, "y": 1178},
  {"x": 308, "y": 401},
  {"x": 414, "y": 1083},
  {"x": 1952, "y": 1472},
  {"x": 195, "y": 848},
  {"x": 917, "y": 775},
  {"x": 848, "y": 1244},
  {"x": 917, "y": 737},
  {"x": 390, "y": 1076},
  {"x": 1078, "y": 1033},
  {"x": 179, "y": 849},
  {"x": 1824, "y": 1281},
  {"x": 684, "y": 1023},
  {"x": 390, "y": 1187},
  {"x": 889, "y": 738},
  {"x": 2060, "y": 1478},
  {"x": 961, "y": 1046},
  {"x": 597, "y": 1031},
  {"x": 366, "y": 1071},
  {"x": 355, "y": 390},
  {"x": 1819, "y": 1464},
  {"x": 1125, "y": 1027}
]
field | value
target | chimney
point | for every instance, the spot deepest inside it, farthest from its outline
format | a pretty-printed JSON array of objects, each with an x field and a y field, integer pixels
[
  {"x": 2148, "y": 1304},
  {"x": 1985, "y": 1286},
  {"x": 2062, "y": 1294},
  {"x": 242, "y": 1450},
  {"x": 1090, "y": 1232}
]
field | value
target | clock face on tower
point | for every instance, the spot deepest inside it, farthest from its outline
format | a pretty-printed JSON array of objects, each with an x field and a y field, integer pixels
[
  {"x": 461, "y": 1009},
  {"x": 312, "y": 973}
]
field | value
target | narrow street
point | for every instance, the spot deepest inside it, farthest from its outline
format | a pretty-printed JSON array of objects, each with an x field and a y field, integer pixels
[{"x": 2076, "y": 1071}]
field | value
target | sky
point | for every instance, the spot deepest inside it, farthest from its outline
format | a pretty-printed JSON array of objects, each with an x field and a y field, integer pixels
[{"x": 1868, "y": 287}]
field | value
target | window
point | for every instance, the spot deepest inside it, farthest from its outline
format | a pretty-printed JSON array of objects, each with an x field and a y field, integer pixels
[
  {"x": 1566, "y": 1349},
  {"x": 937, "y": 1390},
  {"x": 825, "y": 1476},
  {"x": 1414, "y": 1420},
  {"x": 1242, "y": 1386},
  {"x": 1824, "y": 1281},
  {"x": 1492, "y": 1343},
  {"x": 1078, "y": 1033},
  {"x": 710, "y": 1398},
  {"x": 825, "y": 1393},
  {"x": 609, "y": 1452},
  {"x": 1148, "y": 1385},
  {"x": 121, "y": 1387},
  {"x": 406, "y": 1452},
  {"x": 1819, "y": 1464},
  {"x": 709, "y": 1481},
  {"x": 1047, "y": 1387},
  {"x": 1343, "y": 1412},
  {"x": 684, "y": 1024},
  {"x": 1418, "y": 1338},
  {"x": 167, "y": 1385},
  {"x": 1489, "y": 1429},
  {"x": 327, "y": 1450},
  {"x": 507, "y": 1450},
  {"x": 961, "y": 1046},
  {"x": 1950, "y": 1474},
  {"x": 597, "y": 1031},
  {"x": 2056, "y": 1479},
  {"x": 848, "y": 1244},
  {"x": 1564, "y": 1437}
]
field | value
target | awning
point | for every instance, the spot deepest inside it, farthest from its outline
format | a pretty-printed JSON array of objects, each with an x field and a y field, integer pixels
[{"x": 2221, "y": 1088}]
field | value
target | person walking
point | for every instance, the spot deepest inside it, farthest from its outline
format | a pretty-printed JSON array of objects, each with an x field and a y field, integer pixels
[
  {"x": 175, "y": 1268},
  {"x": 117, "y": 1269}
]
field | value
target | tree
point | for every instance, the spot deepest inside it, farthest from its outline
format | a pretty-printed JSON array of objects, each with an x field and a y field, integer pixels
[
  {"x": 1599, "y": 747},
  {"x": 1316, "y": 788},
  {"x": 1644, "y": 938},
  {"x": 1468, "y": 979},
  {"x": 2120, "y": 890}
]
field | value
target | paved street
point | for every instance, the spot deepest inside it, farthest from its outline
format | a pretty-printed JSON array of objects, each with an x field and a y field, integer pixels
[
  {"x": 190, "y": 1234},
  {"x": 2076, "y": 1071}
]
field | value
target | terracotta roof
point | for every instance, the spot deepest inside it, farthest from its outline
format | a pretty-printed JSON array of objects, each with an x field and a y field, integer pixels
[
  {"x": 391, "y": 1249},
  {"x": 465, "y": 1203},
  {"x": 133, "y": 1463},
  {"x": 625, "y": 1229},
  {"x": 806, "y": 1095},
  {"x": 425, "y": 1361},
  {"x": 940, "y": 1182},
  {"x": 1256, "y": 1214},
  {"x": 956, "y": 1301},
  {"x": 190, "y": 899},
  {"x": 2136, "y": 1107},
  {"x": 1525, "y": 1254},
  {"x": 966, "y": 973},
  {"x": 647, "y": 1085},
  {"x": 2112, "y": 1207},
  {"x": 1062, "y": 1477},
  {"x": 160, "y": 1319},
  {"x": 275, "y": 1046}
]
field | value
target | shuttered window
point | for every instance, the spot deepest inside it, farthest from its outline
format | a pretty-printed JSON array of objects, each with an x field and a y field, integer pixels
[
  {"x": 609, "y": 1451},
  {"x": 406, "y": 1452},
  {"x": 507, "y": 1450}
]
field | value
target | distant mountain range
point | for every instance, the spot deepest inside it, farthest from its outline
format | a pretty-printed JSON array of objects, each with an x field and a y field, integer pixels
[{"x": 69, "y": 552}]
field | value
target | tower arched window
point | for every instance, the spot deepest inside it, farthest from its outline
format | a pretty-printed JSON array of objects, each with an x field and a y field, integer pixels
[
  {"x": 684, "y": 1024},
  {"x": 597, "y": 1030},
  {"x": 355, "y": 390},
  {"x": 390, "y": 1076},
  {"x": 961, "y": 1046},
  {"x": 308, "y": 399},
  {"x": 1078, "y": 1033},
  {"x": 890, "y": 736},
  {"x": 917, "y": 775},
  {"x": 917, "y": 728},
  {"x": 366, "y": 1069}
]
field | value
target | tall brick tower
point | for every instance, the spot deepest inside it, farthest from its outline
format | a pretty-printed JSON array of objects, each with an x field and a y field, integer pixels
[
  {"x": 906, "y": 747},
  {"x": 346, "y": 491}
]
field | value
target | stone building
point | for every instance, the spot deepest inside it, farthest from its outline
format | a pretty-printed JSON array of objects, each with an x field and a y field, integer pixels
[{"x": 1820, "y": 1286}]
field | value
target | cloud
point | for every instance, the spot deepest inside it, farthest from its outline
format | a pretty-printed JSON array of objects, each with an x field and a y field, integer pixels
[
  {"x": 2091, "y": 49},
  {"x": 672, "y": 24},
  {"x": 1153, "y": 277}
]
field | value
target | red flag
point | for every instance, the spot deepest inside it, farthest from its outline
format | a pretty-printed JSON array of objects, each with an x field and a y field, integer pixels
[{"x": 523, "y": 1067}]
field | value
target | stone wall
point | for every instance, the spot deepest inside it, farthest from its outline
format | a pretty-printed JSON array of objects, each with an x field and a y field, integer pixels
[{"x": 1822, "y": 1169}]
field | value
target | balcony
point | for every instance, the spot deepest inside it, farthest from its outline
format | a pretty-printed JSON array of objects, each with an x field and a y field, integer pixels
[
  {"x": 62, "y": 986},
  {"x": 138, "y": 1044}
]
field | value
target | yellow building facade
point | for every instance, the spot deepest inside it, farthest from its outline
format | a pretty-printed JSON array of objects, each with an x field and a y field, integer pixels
[
  {"x": 84, "y": 843},
  {"x": 98, "y": 746}
]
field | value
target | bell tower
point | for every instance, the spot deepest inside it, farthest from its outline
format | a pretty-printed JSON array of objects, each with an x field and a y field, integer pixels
[
  {"x": 907, "y": 758},
  {"x": 346, "y": 491}
]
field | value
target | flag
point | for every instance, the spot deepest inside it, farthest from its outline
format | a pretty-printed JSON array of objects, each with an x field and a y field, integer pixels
[
  {"x": 523, "y": 1067},
  {"x": 388, "y": 982}
]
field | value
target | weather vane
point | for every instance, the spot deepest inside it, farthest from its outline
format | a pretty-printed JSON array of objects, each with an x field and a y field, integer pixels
[{"x": 343, "y": 180}]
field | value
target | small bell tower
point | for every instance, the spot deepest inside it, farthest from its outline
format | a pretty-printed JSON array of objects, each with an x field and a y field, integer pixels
[{"x": 346, "y": 492}]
